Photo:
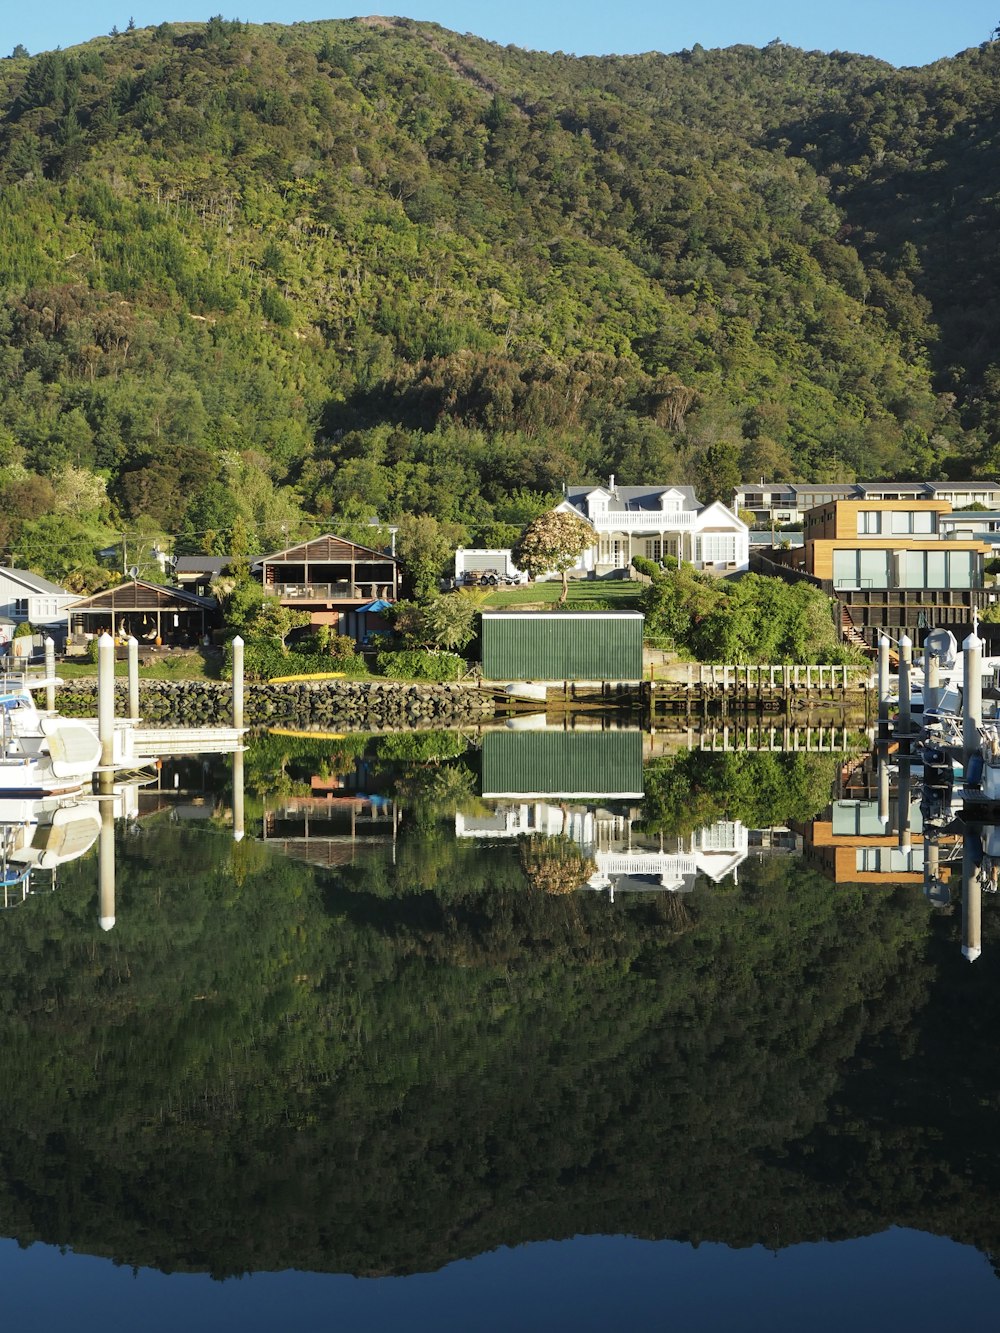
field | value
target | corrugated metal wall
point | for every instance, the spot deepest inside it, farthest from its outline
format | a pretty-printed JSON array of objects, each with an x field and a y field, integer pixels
[
  {"x": 581, "y": 763},
  {"x": 562, "y": 646}
]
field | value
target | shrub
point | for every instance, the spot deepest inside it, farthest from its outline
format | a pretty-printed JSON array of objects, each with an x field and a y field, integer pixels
[
  {"x": 419, "y": 664},
  {"x": 263, "y": 658},
  {"x": 648, "y": 567}
]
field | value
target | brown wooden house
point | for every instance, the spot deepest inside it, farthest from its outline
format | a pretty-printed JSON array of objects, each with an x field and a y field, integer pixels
[
  {"x": 147, "y": 611},
  {"x": 340, "y": 583}
]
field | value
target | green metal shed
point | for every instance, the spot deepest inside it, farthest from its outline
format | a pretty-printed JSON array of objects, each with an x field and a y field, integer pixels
[
  {"x": 562, "y": 645},
  {"x": 604, "y": 765}
]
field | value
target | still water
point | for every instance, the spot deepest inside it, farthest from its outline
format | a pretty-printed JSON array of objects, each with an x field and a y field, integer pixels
[{"x": 545, "y": 1030}]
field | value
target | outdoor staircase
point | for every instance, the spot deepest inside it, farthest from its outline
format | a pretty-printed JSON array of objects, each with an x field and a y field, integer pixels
[{"x": 850, "y": 633}]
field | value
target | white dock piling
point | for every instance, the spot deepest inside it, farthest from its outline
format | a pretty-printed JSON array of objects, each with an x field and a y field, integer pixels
[
  {"x": 905, "y": 668},
  {"x": 133, "y": 678},
  {"x": 972, "y": 695},
  {"x": 50, "y": 674},
  {"x": 883, "y": 678},
  {"x": 972, "y": 900},
  {"x": 106, "y": 699},
  {"x": 237, "y": 682}
]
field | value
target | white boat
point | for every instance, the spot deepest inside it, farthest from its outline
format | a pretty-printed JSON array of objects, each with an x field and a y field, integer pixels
[{"x": 43, "y": 755}]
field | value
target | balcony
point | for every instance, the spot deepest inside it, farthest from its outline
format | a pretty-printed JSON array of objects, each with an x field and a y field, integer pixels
[
  {"x": 331, "y": 592},
  {"x": 645, "y": 520}
]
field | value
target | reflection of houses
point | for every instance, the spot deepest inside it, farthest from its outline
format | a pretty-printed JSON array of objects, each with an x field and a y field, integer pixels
[
  {"x": 147, "y": 611},
  {"x": 339, "y": 583},
  {"x": 604, "y": 765},
  {"x": 853, "y": 845},
  {"x": 716, "y": 851},
  {"x": 624, "y": 860},
  {"x": 331, "y": 829},
  {"x": 656, "y": 521}
]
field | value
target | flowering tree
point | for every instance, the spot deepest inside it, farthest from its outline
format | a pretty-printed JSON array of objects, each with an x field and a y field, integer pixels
[{"x": 553, "y": 542}]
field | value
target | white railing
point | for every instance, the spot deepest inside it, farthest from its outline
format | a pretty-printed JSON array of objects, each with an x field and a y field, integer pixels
[
  {"x": 644, "y": 520},
  {"x": 674, "y": 865}
]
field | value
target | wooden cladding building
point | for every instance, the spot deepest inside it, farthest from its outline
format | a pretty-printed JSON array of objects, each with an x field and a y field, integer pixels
[
  {"x": 335, "y": 580},
  {"x": 147, "y": 611}
]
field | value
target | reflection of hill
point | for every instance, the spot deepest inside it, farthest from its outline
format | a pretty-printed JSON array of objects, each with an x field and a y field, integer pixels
[{"x": 365, "y": 1074}]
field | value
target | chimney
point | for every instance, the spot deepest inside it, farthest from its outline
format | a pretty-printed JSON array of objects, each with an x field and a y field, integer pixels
[{"x": 611, "y": 484}]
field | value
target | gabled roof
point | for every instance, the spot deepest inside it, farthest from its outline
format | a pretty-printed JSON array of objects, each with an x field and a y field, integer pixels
[
  {"x": 138, "y": 595},
  {"x": 33, "y": 582},
  {"x": 326, "y": 548},
  {"x": 718, "y": 510},
  {"x": 632, "y": 497},
  {"x": 202, "y": 564}
]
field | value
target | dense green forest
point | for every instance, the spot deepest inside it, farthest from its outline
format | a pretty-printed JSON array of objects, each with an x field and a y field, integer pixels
[
  {"x": 259, "y": 278},
  {"x": 384, "y": 1067}
]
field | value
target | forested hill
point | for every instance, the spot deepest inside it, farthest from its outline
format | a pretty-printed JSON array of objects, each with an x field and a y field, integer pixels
[{"x": 251, "y": 273}]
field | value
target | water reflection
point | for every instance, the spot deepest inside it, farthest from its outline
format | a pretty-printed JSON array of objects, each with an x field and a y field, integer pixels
[{"x": 435, "y": 1037}]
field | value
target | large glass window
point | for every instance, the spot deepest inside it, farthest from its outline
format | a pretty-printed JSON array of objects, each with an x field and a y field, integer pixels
[
  {"x": 960, "y": 569},
  {"x": 873, "y": 569},
  {"x": 869, "y": 521},
  {"x": 912, "y": 570},
  {"x": 937, "y": 569},
  {"x": 845, "y": 569},
  {"x": 912, "y": 520}
]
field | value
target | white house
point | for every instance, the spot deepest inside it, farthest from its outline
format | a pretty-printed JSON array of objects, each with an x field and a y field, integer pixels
[
  {"x": 27, "y": 596},
  {"x": 655, "y": 522}
]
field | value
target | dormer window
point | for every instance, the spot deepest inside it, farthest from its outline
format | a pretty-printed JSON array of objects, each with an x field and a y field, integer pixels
[
  {"x": 597, "y": 503},
  {"x": 671, "y": 500}
]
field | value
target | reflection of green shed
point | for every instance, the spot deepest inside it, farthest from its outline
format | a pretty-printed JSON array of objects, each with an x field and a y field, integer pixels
[
  {"x": 562, "y": 645},
  {"x": 604, "y": 765}
]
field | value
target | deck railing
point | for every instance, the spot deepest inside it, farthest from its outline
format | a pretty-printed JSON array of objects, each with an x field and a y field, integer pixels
[{"x": 331, "y": 592}]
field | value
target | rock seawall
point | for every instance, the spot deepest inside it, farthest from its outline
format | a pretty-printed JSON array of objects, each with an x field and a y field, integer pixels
[{"x": 343, "y": 705}]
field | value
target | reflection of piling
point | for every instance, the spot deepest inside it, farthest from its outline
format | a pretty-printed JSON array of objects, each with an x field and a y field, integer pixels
[
  {"x": 905, "y": 669},
  {"x": 106, "y": 699},
  {"x": 935, "y": 890},
  {"x": 238, "y": 817},
  {"x": 133, "y": 678},
  {"x": 972, "y": 696},
  {"x": 883, "y": 679},
  {"x": 932, "y": 680},
  {"x": 106, "y": 865},
  {"x": 903, "y": 804},
  {"x": 50, "y": 674},
  {"x": 237, "y": 682},
  {"x": 972, "y": 899},
  {"x": 883, "y": 789}
]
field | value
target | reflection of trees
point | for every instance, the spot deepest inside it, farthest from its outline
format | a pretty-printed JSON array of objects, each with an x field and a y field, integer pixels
[{"x": 554, "y": 864}]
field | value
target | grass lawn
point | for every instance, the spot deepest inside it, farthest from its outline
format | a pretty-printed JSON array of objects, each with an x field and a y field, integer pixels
[
  {"x": 193, "y": 665},
  {"x": 584, "y": 595}
]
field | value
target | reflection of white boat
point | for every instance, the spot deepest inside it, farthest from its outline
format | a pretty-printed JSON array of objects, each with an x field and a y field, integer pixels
[
  {"x": 982, "y": 774},
  {"x": 59, "y": 836},
  {"x": 41, "y": 835}
]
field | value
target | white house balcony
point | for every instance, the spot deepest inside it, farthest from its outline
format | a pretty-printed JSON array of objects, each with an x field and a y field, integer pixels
[{"x": 645, "y": 520}]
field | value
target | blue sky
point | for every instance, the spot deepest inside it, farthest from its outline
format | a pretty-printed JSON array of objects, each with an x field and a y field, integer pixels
[{"x": 904, "y": 32}]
